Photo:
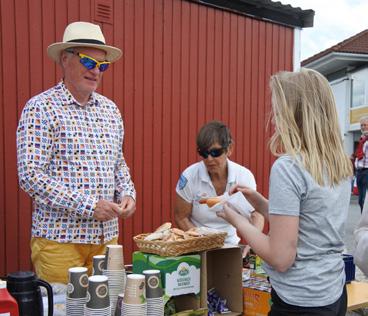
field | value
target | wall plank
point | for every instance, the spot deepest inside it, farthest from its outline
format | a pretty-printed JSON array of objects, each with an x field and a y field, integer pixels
[
  {"x": 147, "y": 116},
  {"x": 157, "y": 118},
  {"x": 23, "y": 92},
  {"x": 8, "y": 46},
  {"x": 2, "y": 151},
  {"x": 126, "y": 27}
]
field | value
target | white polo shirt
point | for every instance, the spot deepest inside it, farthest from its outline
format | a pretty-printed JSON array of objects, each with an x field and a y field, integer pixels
[{"x": 195, "y": 184}]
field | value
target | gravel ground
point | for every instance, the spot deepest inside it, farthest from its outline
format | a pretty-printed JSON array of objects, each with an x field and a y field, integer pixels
[{"x": 354, "y": 214}]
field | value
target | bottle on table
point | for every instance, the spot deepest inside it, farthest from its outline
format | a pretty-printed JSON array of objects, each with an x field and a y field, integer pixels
[{"x": 8, "y": 304}]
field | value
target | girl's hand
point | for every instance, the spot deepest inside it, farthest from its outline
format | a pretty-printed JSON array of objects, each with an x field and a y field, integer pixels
[
  {"x": 230, "y": 215},
  {"x": 256, "y": 199},
  {"x": 250, "y": 194}
]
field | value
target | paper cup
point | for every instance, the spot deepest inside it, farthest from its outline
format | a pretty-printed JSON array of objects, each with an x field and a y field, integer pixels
[
  {"x": 153, "y": 283},
  {"x": 98, "y": 292},
  {"x": 78, "y": 282},
  {"x": 114, "y": 257},
  {"x": 98, "y": 264},
  {"x": 135, "y": 290},
  {"x": 118, "y": 304}
]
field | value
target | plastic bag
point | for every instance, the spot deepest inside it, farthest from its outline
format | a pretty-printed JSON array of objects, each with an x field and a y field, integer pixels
[
  {"x": 355, "y": 186},
  {"x": 361, "y": 241}
]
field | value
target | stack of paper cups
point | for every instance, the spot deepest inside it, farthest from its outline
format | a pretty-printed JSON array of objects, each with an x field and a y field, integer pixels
[
  {"x": 114, "y": 270},
  {"x": 134, "y": 301},
  {"x": 98, "y": 264},
  {"x": 76, "y": 293},
  {"x": 154, "y": 293},
  {"x": 98, "y": 301}
]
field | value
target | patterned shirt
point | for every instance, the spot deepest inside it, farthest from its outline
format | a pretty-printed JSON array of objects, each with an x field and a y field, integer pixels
[{"x": 69, "y": 157}]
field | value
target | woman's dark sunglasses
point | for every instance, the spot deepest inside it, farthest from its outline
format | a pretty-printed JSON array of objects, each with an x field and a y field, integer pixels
[
  {"x": 217, "y": 152},
  {"x": 89, "y": 62}
]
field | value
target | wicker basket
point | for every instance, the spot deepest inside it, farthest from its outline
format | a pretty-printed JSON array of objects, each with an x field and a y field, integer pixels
[{"x": 179, "y": 247}]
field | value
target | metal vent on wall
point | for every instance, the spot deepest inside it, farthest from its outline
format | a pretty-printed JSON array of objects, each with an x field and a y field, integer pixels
[{"x": 103, "y": 11}]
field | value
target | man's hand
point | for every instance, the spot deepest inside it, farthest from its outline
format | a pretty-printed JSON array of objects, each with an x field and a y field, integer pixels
[
  {"x": 127, "y": 207},
  {"x": 106, "y": 210}
]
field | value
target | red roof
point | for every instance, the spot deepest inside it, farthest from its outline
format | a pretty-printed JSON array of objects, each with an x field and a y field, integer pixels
[{"x": 357, "y": 44}]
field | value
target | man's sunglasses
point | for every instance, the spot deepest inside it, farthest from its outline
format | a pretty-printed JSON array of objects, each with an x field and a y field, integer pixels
[
  {"x": 217, "y": 152},
  {"x": 89, "y": 62}
]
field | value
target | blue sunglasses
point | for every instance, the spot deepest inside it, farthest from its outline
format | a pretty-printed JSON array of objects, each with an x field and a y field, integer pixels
[{"x": 89, "y": 62}]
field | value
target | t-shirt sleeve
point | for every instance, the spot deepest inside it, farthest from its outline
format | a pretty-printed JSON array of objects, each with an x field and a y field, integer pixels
[
  {"x": 183, "y": 187},
  {"x": 287, "y": 187},
  {"x": 247, "y": 179}
]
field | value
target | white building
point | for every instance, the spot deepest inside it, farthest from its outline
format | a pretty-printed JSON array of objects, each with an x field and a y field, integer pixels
[{"x": 345, "y": 65}]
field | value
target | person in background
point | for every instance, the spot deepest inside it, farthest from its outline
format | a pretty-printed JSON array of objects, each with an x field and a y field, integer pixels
[
  {"x": 361, "y": 162},
  {"x": 213, "y": 176},
  {"x": 361, "y": 242},
  {"x": 308, "y": 200},
  {"x": 70, "y": 160}
]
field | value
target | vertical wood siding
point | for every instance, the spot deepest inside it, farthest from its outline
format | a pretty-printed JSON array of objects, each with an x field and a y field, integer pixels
[{"x": 183, "y": 64}]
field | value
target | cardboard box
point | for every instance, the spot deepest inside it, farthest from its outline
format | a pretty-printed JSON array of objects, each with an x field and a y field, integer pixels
[
  {"x": 179, "y": 275},
  {"x": 219, "y": 268},
  {"x": 188, "y": 304},
  {"x": 256, "y": 302},
  {"x": 222, "y": 269}
]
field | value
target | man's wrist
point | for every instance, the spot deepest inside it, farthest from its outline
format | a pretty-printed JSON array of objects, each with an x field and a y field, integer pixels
[{"x": 127, "y": 195}]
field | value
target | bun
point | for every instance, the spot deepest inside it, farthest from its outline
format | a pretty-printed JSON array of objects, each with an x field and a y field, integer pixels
[
  {"x": 178, "y": 232},
  {"x": 210, "y": 201},
  {"x": 163, "y": 227},
  {"x": 193, "y": 232}
]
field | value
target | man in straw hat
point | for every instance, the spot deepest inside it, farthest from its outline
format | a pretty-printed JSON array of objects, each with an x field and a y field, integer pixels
[{"x": 70, "y": 159}]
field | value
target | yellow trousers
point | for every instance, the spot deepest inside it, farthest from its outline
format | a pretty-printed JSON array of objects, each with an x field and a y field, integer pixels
[{"x": 52, "y": 260}]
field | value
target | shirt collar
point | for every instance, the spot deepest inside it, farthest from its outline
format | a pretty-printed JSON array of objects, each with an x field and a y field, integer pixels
[{"x": 69, "y": 99}]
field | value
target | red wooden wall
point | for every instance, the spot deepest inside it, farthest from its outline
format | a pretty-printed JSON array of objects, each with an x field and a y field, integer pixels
[{"x": 183, "y": 64}]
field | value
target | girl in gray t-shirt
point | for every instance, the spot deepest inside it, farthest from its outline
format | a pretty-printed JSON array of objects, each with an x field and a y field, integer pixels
[{"x": 308, "y": 200}]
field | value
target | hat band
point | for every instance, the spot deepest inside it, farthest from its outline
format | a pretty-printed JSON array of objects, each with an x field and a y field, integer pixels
[{"x": 86, "y": 41}]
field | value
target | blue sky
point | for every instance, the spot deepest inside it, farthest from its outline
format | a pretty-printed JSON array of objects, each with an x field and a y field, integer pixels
[{"x": 334, "y": 21}]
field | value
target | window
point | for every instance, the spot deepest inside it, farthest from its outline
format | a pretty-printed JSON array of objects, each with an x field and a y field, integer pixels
[{"x": 357, "y": 93}]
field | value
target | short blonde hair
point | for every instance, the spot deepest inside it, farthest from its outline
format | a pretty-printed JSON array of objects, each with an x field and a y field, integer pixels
[{"x": 306, "y": 125}]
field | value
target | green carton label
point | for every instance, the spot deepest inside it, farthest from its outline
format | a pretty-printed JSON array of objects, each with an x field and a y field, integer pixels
[{"x": 179, "y": 275}]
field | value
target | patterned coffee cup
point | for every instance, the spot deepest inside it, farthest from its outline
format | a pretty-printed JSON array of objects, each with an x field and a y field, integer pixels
[
  {"x": 98, "y": 264},
  {"x": 78, "y": 282},
  {"x": 153, "y": 283},
  {"x": 98, "y": 292}
]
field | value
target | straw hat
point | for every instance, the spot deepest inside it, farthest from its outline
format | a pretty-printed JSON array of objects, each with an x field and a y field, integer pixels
[{"x": 83, "y": 34}]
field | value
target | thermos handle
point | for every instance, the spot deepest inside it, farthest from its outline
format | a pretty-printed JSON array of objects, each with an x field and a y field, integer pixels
[{"x": 50, "y": 295}]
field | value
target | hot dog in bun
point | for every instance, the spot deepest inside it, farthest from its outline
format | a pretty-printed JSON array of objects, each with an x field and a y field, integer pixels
[{"x": 210, "y": 201}]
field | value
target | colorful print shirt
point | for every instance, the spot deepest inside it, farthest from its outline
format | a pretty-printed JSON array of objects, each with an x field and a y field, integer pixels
[{"x": 69, "y": 157}]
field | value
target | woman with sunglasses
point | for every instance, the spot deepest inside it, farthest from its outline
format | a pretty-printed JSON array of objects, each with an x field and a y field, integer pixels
[
  {"x": 308, "y": 200},
  {"x": 213, "y": 176}
]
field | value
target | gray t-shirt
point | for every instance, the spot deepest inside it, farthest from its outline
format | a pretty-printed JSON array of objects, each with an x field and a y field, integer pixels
[{"x": 317, "y": 276}]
